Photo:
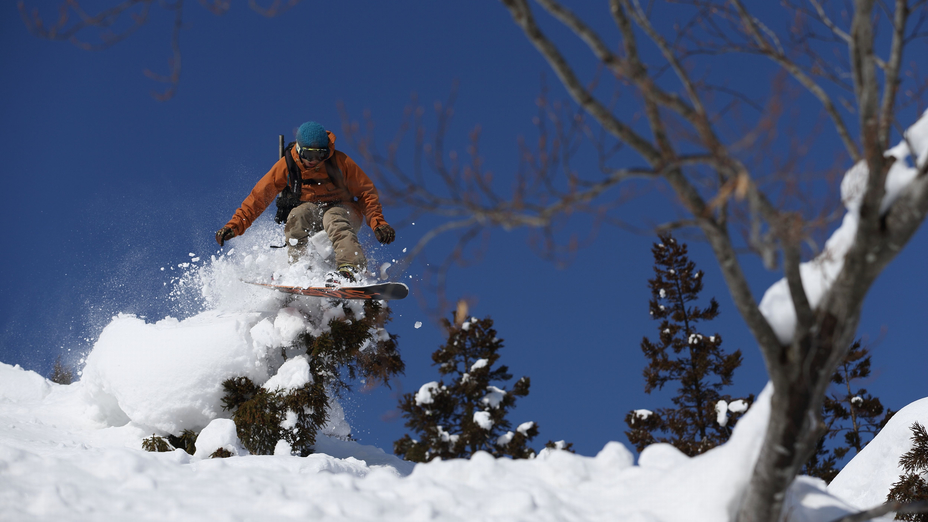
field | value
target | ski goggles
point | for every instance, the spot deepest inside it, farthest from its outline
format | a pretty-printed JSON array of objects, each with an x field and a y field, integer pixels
[{"x": 312, "y": 154}]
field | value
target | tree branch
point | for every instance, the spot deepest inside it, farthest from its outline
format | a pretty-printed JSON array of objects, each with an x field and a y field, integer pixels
[
  {"x": 900, "y": 508},
  {"x": 753, "y": 28},
  {"x": 66, "y": 28},
  {"x": 523, "y": 17},
  {"x": 891, "y": 72}
]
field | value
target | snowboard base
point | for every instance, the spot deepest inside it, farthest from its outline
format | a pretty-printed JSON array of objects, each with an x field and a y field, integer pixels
[{"x": 384, "y": 291}]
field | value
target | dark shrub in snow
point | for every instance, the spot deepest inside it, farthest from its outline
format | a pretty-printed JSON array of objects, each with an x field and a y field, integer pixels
[
  {"x": 467, "y": 414},
  {"x": 354, "y": 348},
  {"x": 913, "y": 485}
]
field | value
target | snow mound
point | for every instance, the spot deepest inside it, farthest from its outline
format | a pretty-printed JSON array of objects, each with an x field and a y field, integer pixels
[
  {"x": 219, "y": 434},
  {"x": 22, "y": 386},
  {"x": 168, "y": 376},
  {"x": 54, "y": 464},
  {"x": 868, "y": 477}
]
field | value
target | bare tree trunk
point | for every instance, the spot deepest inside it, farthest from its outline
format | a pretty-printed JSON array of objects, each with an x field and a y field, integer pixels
[{"x": 795, "y": 423}]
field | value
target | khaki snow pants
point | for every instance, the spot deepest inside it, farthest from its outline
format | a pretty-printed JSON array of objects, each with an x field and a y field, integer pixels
[{"x": 341, "y": 223}]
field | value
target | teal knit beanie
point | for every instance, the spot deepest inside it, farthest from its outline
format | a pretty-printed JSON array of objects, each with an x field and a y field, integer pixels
[{"x": 312, "y": 134}]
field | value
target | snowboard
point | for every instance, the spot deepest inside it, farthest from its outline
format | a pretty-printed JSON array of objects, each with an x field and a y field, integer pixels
[{"x": 385, "y": 291}]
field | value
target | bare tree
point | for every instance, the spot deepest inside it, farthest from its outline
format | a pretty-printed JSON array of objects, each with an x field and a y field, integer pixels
[
  {"x": 668, "y": 109},
  {"x": 94, "y": 30}
]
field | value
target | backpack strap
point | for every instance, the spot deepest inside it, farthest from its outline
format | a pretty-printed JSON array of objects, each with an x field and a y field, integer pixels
[{"x": 294, "y": 176}]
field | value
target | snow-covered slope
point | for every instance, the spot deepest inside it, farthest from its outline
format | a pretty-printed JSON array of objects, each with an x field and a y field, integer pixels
[{"x": 60, "y": 459}]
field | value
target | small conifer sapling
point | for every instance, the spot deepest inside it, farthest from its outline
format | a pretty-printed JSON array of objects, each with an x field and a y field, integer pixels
[
  {"x": 912, "y": 485},
  {"x": 467, "y": 410},
  {"x": 848, "y": 411},
  {"x": 156, "y": 444},
  {"x": 702, "y": 417}
]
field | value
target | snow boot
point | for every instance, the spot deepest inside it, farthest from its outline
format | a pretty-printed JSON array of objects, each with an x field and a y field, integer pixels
[{"x": 346, "y": 273}]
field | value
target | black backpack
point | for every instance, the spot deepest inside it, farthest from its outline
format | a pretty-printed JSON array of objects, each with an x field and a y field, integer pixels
[{"x": 290, "y": 195}]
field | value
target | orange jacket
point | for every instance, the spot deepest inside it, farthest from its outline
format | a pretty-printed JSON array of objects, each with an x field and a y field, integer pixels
[{"x": 360, "y": 191}]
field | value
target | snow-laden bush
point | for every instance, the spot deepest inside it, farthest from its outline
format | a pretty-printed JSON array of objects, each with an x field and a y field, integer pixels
[{"x": 467, "y": 415}]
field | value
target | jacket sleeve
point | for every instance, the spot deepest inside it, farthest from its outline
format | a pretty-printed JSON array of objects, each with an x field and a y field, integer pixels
[
  {"x": 260, "y": 198},
  {"x": 361, "y": 187}
]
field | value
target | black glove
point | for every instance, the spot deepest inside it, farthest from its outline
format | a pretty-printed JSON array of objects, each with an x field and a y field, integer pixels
[
  {"x": 224, "y": 234},
  {"x": 385, "y": 234}
]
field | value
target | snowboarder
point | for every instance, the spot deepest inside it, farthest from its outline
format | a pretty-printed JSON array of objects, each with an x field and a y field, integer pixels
[{"x": 334, "y": 195}]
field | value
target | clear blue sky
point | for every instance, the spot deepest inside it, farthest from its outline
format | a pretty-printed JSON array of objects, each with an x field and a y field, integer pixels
[{"x": 103, "y": 186}]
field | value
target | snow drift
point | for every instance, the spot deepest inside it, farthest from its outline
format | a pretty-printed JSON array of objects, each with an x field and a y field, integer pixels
[{"x": 57, "y": 460}]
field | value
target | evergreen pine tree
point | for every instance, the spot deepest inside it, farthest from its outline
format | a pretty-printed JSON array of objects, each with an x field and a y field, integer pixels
[
  {"x": 823, "y": 463},
  {"x": 853, "y": 413},
  {"x": 466, "y": 414},
  {"x": 912, "y": 486},
  {"x": 354, "y": 348},
  {"x": 700, "y": 419}
]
